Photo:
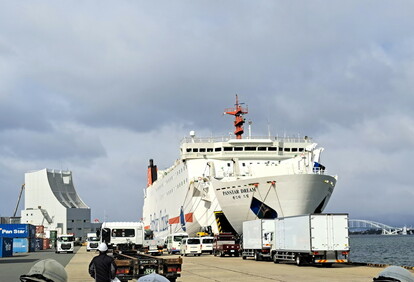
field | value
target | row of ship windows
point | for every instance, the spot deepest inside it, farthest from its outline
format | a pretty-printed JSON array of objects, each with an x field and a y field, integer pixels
[
  {"x": 180, "y": 171},
  {"x": 238, "y": 149},
  {"x": 177, "y": 186}
]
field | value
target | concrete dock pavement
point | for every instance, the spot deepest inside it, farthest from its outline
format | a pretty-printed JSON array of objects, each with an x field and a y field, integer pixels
[
  {"x": 77, "y": 268},
  {"x": 223, "y": 269}
]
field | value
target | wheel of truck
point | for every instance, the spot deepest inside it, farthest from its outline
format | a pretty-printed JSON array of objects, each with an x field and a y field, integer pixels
[
  {"x": 257, "y": 256},
  {"x": 243, "y": 257},
  {"x": 298, "y": 260},
  {"x": 215, "y": 253}
]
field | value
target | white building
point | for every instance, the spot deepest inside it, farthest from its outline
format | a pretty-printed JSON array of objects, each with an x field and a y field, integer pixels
[{"x": 51, "y": 200}]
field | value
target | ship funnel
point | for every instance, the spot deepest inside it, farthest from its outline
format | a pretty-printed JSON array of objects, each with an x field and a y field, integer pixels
[{"x": 152, "y": 173}]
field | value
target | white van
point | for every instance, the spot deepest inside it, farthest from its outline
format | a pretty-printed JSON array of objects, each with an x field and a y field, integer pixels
[
  {"x": 92, "y": 242},
  {"x": 207, "y": 244},
  {"x": 191, "y": 246},
  {"x": 65, "y": 243},
  {"x": 173, "y": 242}
]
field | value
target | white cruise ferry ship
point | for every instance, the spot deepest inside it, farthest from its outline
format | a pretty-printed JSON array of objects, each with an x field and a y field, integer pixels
[{"x": 217, "y": 183}]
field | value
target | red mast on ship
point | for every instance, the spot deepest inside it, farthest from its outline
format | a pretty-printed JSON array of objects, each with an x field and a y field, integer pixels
[{"x": 238, "y": 111}]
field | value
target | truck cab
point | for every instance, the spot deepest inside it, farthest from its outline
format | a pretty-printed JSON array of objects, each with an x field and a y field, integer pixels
[
  {"x": 226, "y": 244},
  {"x": 92, "y": 242},
  {"x": 65, "y": 243},
  {"x": 123, "y": 236}
]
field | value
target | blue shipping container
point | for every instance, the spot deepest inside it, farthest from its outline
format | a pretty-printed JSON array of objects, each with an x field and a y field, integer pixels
[
  {"x": 39, "y": 244},
  {"x": 6, "y": 249},
  {"x": 23, "y": 245},
  {"x": 17, "y": 230}
]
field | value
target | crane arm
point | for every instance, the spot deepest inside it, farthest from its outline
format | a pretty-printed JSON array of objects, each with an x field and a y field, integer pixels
[{"x": 18, "y": 200}]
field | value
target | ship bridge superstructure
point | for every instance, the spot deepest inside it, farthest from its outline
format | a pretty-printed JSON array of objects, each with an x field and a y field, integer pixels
[{"x": 252, "y": 148}]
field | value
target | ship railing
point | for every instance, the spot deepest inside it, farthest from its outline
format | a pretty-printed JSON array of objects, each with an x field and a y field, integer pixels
[
  {"x": 287, "y": 172},
  {"x": 291, "y": 139}
]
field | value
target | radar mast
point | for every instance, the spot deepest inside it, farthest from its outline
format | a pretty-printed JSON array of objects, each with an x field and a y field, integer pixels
[{"x": 238, "y": 111}]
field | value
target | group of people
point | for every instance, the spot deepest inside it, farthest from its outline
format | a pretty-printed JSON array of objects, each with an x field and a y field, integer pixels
[{"x": 102, "y": 268}]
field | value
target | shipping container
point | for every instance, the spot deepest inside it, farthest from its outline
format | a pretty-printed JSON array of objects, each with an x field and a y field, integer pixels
[
  {"x": 23, "y": 245},
  {"x": 17, "y": 230},
  {"x": 39, "y": 244},
  {"x": 46, "y": 243},
  {"x": 53, "y": 234},
  {"x": 6, "y": 249},
  {"x": 40, "y": 229}
]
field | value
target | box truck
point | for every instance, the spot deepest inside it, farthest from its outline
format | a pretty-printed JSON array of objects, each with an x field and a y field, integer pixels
[
  {"x": 128, "y": 236},
  {"x": 257, "y": 238},
  {"x": 312, "y": 238}
]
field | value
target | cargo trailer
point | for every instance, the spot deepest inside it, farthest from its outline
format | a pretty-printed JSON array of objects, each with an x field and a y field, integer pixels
[
  {"x": 312, "y": 238},
  {"x": 257, "y": 238}
]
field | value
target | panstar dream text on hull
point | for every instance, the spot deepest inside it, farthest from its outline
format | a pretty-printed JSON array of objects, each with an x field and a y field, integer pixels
[{"x": 219, "y": 182}]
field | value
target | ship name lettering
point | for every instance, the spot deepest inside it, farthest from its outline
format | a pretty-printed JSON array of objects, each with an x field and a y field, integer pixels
[
  {"x": 231, "y": 192},
  {"x": 239, "y": 191},
  {"x": 248, "y": 190}
]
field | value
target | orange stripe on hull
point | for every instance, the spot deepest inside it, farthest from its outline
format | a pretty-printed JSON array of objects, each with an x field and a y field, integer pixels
[
  {"x": 189, "y": 217},
  {"x": 176, "y": 220}
]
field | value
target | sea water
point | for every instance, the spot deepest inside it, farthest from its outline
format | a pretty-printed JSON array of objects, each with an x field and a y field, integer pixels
[{"x": 382, "y": 249}]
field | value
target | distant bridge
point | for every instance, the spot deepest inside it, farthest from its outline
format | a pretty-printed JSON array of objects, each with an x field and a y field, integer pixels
[{"x": 386, "y": 229}]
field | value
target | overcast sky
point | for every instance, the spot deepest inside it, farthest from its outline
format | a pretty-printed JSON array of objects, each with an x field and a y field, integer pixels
[{"x": 100, "y": 87}]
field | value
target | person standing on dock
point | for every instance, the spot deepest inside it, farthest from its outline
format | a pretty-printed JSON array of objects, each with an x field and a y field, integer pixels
[{"x": 102, "y": 267}]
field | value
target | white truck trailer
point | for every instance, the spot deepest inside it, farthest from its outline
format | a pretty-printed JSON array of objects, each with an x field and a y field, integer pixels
[
  {"x": 312, "y": 238},
  {"x": 257, "y": 238}
]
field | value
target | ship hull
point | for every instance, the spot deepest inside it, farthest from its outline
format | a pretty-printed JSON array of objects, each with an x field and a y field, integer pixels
[
  {"x": 278, "y": 196},
  {"x": 239, "y": 199}
]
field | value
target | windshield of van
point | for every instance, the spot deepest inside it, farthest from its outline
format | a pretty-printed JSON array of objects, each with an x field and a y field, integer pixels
[
  {"x": 67, "y": 239},
  {"x": 93, "y": 239},
  {"x": 193, "y": 241},
  {"x": 207, "y": 241},
  {"x": 123, "y": 233},
  {"x": 179, "y": 238}
]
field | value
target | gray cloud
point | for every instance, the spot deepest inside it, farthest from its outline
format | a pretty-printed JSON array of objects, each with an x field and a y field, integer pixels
[{"x": 100, "y": 88}]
